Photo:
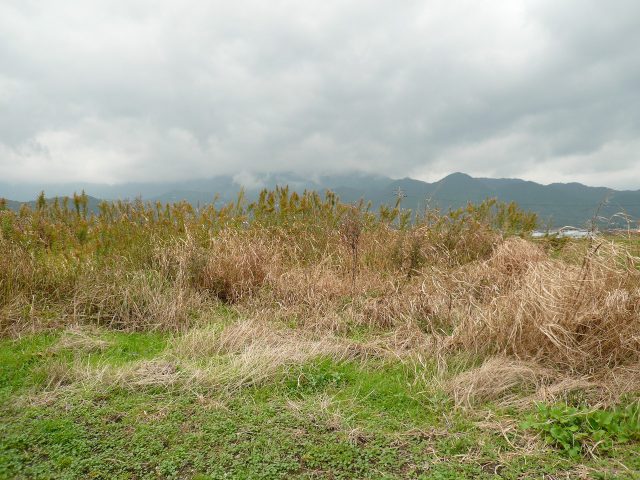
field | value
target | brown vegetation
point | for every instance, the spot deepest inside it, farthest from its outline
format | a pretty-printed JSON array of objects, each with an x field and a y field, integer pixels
[{"x": 435, "y": 285}]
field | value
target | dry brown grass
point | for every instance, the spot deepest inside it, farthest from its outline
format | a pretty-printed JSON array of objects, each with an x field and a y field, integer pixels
[
  {"x": 550, "y": 329},
  {"x": 498, "y": 379},
  {"x": 583, "y": 318},
  {"x": 543, "y": 326},
  {"x": 262, "y": 343},
  {"x": 138, "y": 300},
  {"x": 81, "y": 338},
  {"x": 235, "y": 267}
]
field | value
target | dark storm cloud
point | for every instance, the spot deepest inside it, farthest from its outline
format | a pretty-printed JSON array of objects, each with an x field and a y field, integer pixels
[{"x": 137, "y": 90}]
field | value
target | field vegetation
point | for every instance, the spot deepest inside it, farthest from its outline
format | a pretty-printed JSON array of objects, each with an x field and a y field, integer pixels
[{"x": 299, "y": 337}]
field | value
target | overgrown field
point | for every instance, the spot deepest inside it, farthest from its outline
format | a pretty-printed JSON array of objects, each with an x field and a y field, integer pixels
[{"x": 297, "y": 337}]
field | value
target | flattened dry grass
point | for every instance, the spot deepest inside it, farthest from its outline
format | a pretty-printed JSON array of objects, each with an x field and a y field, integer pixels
[
  {"x": 499, "y": 378},
  {"x": 81, "y": 338},
  {"x": 213, "y": 358}
]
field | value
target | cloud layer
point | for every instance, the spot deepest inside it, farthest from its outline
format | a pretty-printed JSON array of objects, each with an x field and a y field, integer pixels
[{"x": 135, "y": 90}]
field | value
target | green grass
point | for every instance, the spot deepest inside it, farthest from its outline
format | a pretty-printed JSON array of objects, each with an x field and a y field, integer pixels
[{"x": 323, "y": 419}]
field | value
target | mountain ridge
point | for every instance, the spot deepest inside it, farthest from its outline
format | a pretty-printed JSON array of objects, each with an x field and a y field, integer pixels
[{"x": 557, "y": 204}]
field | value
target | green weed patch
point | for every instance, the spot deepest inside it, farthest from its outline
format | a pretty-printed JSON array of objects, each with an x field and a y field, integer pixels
[{"x": 577, "y": 431}]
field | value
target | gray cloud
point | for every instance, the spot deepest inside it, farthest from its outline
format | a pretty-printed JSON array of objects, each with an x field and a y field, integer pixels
[{"x": 138, "y": 90}]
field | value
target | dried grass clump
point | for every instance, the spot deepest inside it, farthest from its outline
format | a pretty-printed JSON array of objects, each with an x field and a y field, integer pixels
[
  {"x": 30, "y": 315},
  {"x": 58, "y": 374},
  {"x": 134, "y": 376},
  {"x": 158, "y": 372},
  {"x": 31, "y": 287},
  {"x": 582, "y": 318},
  {"x": 256, "y": 338},
  {"x": 619, "y": 382},
  {"x": 150, "y": 373},
  {"x": 316, "y": 287},
  {"x": 138, "y": 300},
  {"x": 453, "y": 243},
  {"x": 396, "y": 306},
  {"x": 498, "y": 379},
  {"x": 253, "y": 351},
  {"x": 513, "y": 257},
  {"x": 237, "y": 265},
  {"x": 321, "y": 296},
  {"x": 482, "y": 282},
  {"x": 250, "y": 352},
  {"x": 406, "y": 341},
  {"x": 16, "y": 269},
  {"x": 84, "y": 339},
  {"x": 11, "y": 318}
]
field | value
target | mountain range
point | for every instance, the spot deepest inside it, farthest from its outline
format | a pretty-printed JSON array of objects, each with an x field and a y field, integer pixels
[{"x": 557, "y": 204}]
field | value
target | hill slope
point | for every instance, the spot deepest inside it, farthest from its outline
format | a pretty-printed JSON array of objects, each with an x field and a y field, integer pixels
[{"x": 557, "y": 204}]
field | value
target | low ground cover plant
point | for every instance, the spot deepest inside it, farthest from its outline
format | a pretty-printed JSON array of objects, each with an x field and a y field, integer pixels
[{"x": 579, "y": 430}]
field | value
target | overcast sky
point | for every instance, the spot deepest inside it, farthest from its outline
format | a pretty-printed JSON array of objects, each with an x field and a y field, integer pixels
[{"x": 135, "y": 90}]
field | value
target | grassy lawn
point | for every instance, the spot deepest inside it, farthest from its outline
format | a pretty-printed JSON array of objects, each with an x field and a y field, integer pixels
[{"x": 322, "y": 418}]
